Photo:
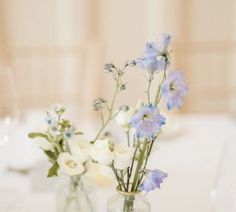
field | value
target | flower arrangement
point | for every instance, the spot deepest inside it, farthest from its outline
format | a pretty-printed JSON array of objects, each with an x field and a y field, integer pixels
[
  {"x": 68, "y": 156},
  {"x": 63, "y": 152},
  {"x": 142, "y": 124}
]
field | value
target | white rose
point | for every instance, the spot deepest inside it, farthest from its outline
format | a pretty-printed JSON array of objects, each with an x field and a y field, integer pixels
[
  {"x": 69, "y": 165},
  {"x": 80, "y": 150},
  {"x": 106, "y": 171},
  {"x": 123, "y": 118},
  {"x": 101, "y": 152},
  {"x": 122, "y": 156}
]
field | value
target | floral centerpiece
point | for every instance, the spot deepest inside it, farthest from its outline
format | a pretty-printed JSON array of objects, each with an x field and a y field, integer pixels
[
  {"x": 125, "y": 161},
  {"x": 67, "y": 155},
  {"x": 142, "y": 125}
]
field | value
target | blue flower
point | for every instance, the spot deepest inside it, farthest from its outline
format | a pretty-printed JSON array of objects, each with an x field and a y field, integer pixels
[
  {"x": 147, "y": 122},
  {"x": 155, "y": 56},
  {"x": 153, "y": 180},
  {"x": 174, "y": 89},
  {"x": 151, "y": 64},
  {"x": 69, "y": 132},
  {"x": 162, "y": 46}
]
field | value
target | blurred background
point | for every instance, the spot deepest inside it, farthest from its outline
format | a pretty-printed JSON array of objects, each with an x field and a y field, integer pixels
[
  {"x": 54, "y": 51},
  {"x": 57, "y": 48}
]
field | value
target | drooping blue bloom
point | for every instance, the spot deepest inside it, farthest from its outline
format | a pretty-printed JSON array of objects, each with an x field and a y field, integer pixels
[
  {"x": 162, "y": 46},
  {"x": 153, "y": 180},
  {"x": 174, "y": 89},
  {"x": 151, "y": 64},
  {"x": 155, "y": 56},
  {"x": 147, "y": 122}
]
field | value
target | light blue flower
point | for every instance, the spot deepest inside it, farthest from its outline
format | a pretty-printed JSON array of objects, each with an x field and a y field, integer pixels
[
  {"x": 147, "y": 122},
  {"x": 153, "y": 180},
  {"x": 174, "y": 89},
  {"x": 51, "y": 119},
  {"x": 155, "y": 57},
  {"x": 69, "y": 132},
  {"x": 151, "y": 64},
  {"x": 162, "y": 46}
]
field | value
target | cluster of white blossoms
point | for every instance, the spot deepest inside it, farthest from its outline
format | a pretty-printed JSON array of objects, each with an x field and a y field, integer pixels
[
  {"x": 106, "y": 153},
  {"x": 67, "y": 154},
  {"x": 70, "y": 155}
]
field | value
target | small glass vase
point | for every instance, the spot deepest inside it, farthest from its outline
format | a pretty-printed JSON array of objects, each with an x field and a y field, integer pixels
[
  {"x": 128, "y": 202},
  {"x": 73, "y": 196}
]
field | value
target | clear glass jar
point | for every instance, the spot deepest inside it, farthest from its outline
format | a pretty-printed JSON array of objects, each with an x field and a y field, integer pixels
[
  {"x": 128, "y": 202},
  {"x": 73, "y": 196},
  {"x": 223, "y": 194}
]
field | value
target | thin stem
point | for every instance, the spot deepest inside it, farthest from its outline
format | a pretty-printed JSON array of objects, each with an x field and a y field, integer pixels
[
  {"x": 128, "y": 138},
  {"x": 130, "y": 170},
  {"x": 122, "y": 179},
  {"x": 116, "y": 175},
  {"x": 150, "y": 79},
  {"x": 110, "y": 112},
  {"x": 158, "y": 93},
  {"x": 148, "y": 154},
  {"x": 102, "y": 118},
  {"x": 138, "y": 167},
  {"x": 118, "y": 178}
]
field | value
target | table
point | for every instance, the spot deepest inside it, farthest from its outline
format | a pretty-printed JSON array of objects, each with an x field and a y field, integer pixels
[{"x": 190, "y": 155}]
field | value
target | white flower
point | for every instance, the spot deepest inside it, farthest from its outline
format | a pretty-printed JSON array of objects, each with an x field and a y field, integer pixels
[
  {"x": 101, "y": 152},
  {"x": 122, "y": 156},
  {"x": 106, "y": 171},
  {"x": 44, "y": 144},
  {"x": 57, "y": 108},
  {"x": 79, "y": 149},
  {"x": 51, "y": 119},
  {"x": 69, "y": 132},
  {"x": 55, "y": 129},
  {"x": 123, "y": 118},
  {"x": 69, "y": 165}
]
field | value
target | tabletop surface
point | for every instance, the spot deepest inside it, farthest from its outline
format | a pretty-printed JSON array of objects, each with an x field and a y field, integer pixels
[{"x": 189, "y": 153}]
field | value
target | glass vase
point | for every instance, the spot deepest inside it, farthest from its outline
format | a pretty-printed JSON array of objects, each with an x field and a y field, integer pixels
[
  {"x": 73, "y": 196},
  {"x": 223, "y": 195},
  {"x": 128, "y": 202}
]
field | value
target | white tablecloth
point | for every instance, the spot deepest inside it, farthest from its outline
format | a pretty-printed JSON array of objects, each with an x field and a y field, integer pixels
[{"x": 190, "y": 156}]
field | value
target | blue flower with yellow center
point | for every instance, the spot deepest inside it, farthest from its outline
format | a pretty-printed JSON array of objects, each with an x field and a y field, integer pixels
[{"x": 147, "y": 122}]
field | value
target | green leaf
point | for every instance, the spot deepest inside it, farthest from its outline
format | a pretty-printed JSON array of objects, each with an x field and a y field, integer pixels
[
  {"x": 79, "y": 133},
  {"x": 38, "y": 135},
  {"x": 52, "y": 155},
  {"x": 53, "y": 170}
]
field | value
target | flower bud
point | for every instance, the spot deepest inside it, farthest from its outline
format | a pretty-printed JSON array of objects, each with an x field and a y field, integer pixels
[
  {"x": 109, "y": 67},
  {"x": 98, "y": 104}
]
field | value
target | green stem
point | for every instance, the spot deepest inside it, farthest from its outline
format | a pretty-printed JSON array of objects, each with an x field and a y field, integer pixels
[
  {"x": 146, "y": 160},
  {"x": 128, "y": 138},
  {"x": 130, "y": 170},
  {"x": 120, "y": 184},
  {"x": 110, "y": 112},
  {"x": 158, "y": 93},
  {"x": 128, "y": 204},
  {"x": 139, "y": 166},
  {"x": 149, "y": 86}
]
